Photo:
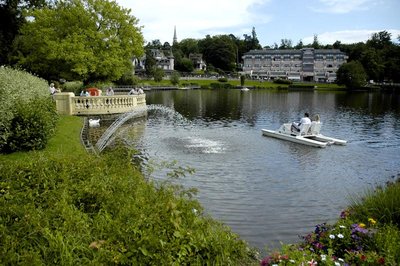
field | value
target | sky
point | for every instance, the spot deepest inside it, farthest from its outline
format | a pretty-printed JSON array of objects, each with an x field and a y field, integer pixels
[{"x": 347, "y": 21}]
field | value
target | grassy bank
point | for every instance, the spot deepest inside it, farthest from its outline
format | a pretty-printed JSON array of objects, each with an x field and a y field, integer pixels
[
  {"x": 62, "y": 206},
  {"x": 248, "y": 83},
  {"x": 64, "y": 143}
]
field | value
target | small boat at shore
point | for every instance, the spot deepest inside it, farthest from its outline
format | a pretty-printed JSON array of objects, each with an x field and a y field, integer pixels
[
  {"x": 309, "y": 135},
  {"x": 244, "y": 89}
]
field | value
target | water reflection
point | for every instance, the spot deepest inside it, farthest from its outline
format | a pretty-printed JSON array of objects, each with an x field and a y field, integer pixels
[{"x": 269, "y": 190}]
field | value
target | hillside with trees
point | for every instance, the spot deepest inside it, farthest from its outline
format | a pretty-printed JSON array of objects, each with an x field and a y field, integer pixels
[{"x": 96, "y": 41}]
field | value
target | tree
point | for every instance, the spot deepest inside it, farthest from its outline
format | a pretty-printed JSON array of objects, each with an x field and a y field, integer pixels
[
  {"x": 315, "y": 43},
  {"x": 184, "y": 65},
  {"x": 175, "y": 78},
  {"x": 219, "y": 51},
  {"x": 286, "y": 44},
  {"x": 154, "y": 44},
  {"x": 352, "y": 75},
  {"x": 242, "y": 80},
  {"x": 251, "y": 42},
  {"x": 88, "y": 40},
  {"x": 189, "y": 46},
  {"x": 337, "y": 45},
  {"x": 166, "y": 46},
  {"x": 373, "y": 64},
  {"x": 380, "y": 40},
  {"x": 150, "y": 63},
  {"x": 11, "y": 20},
  {"x": 299, "y": 45},
  {"x": 158, "y": 74}
]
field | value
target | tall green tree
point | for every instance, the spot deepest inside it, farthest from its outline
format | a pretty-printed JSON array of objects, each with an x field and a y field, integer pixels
[
  {"x": 150, "y": 63},
  {"x": 154, "y": 44},
  {"x": 184, "y": 65},
  {"x": 189, "y": 46},
  {"x": 299, "y": 45},
  {"x": 251, "y": 41},
  {"x": 352, "y": 75},
  {"x": 219, "y": 51},
  {"x": 315, "y": 43},
  {"x": 89, "y": 40},
  {"x": 286, "y": 44},
  {"x": 11, "y": 20},
  {"x": 158, "y": 74},
  {"x": 373, "y": 64},
  {"x": 380, "y": 40}
]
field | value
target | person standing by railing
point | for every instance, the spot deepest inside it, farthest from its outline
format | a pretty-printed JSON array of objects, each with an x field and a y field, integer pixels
[
  {"x": 52, "y": 89},
  {"x": 110, "y": 91}
]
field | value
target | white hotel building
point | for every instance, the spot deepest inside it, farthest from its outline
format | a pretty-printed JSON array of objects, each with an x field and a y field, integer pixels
[{"x": 307, "y": 64}]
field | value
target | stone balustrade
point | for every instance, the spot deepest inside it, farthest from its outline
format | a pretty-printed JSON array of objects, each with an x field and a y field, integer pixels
[{"x": 69, "y": 104}]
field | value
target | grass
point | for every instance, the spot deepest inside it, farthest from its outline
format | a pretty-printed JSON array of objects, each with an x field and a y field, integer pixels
[
  {"x": 65, "y": 142},
  {"x": 248, "y": 83}
]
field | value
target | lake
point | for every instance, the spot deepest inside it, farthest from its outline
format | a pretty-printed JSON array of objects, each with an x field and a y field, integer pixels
[{"x": 269, "y": 190}]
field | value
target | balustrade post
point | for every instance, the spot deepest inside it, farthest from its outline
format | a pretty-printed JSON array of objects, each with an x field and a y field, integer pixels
[{"x": 64, "y": 102}]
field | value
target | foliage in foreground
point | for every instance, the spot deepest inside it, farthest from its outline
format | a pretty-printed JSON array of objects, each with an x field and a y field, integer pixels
[
  {"x": 27, "y": 113},
  {"x": 100, "y": 210},
  {"x": 367, "y": 233}
]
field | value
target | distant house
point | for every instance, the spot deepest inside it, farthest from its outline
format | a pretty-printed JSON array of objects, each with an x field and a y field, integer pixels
[
  {"x": 164, "y": 60},
  {"x": 307, "y": 64},
  {"x": 197, "y": 60}
]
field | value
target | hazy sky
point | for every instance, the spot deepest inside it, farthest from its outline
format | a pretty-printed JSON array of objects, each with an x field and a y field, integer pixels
[{"x": 348, "y": 21}]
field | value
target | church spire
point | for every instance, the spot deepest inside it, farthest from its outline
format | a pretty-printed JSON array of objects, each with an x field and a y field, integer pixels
[{"x": 175, "y": 40}]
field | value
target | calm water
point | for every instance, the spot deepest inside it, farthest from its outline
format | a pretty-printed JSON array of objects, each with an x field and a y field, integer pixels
[{"x": 269, "y": 190}]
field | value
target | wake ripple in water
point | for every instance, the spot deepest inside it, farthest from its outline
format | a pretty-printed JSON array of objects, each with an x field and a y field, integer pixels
[{"x": 201, "y": 145}]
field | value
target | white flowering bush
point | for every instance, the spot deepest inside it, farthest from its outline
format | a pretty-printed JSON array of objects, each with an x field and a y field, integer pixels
[{"x": 27, "y": 113}]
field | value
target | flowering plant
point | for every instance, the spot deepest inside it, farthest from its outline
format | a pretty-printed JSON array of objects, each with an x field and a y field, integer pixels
[{"x": 344, "y": 243}]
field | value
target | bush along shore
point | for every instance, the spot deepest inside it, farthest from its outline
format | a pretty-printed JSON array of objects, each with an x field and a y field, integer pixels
[{"x": 367, "y": 233}]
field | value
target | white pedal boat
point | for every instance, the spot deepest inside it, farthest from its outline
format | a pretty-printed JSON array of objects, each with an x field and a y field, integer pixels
[{"x": 309, "y": 135}]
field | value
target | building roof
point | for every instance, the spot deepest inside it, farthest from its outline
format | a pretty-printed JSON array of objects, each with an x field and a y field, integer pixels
[{"x": 292, "y": 51}]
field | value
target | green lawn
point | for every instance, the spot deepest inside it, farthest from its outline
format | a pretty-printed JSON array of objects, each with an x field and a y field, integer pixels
[
  {"x": 65, "y": 142},
  {"x": 248, "y": 83}
]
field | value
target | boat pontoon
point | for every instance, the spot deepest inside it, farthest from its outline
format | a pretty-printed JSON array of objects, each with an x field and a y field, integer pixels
[{"x": 309, "y": 135}]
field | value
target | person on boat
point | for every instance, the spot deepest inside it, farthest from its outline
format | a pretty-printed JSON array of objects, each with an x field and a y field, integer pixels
[
  {"x": 305, "y": 120},
  {"x": 316, "y": 118}
]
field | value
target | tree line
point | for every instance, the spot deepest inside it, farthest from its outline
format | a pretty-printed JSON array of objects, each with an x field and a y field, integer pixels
[{"x": 96, "y": 41}]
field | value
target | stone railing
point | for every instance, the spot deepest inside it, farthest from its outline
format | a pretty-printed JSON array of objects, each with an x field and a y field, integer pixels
[{"x": 69, "y": 104}]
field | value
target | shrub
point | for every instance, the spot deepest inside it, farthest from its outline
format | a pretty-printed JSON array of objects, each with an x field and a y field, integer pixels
[
  {"x": 128, "y": 79},
  {"x": 101, "y": 211},
  {"x": 175, "y": 78},
  {"x": 20, "y": 90},
  {"x": 282, "y": 81},
  {"x": 32, "y": 125},
  {"x": 73, "y": 86},
  {"x": 221, "y": 86},
  {"x": 158, "y": 74},
  {"x": 242, "y": 80},
  {"x": 223, "y": 79}
]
